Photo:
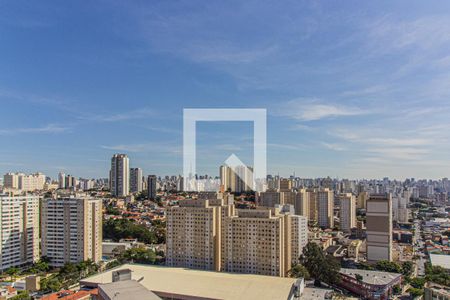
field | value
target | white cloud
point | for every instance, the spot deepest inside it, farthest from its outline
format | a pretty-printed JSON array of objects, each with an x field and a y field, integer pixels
[
  {"x": 334, "y": 146},
  {"x": 312, "y": 110},
  {"x": 130, "y": 115},
  {"x": 50, "y": 128},
  {"x": 144, "y": 148}
]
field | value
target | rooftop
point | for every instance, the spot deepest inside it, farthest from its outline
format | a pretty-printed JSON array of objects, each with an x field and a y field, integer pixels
[
  {"x": 125, "y": 290},
  {"x": 440, "y": 260},
  {"x": 372, "y": 277},
  {"x": 206, "y": 284}
]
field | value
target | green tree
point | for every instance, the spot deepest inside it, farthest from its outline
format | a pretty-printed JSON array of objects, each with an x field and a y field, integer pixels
[
  {"x": 12, "y": 273},
  {"x": 299, "y": 271},
  {"x": 407, "y": 268},
  {"x": 417, "y": 282},
  {"x": 437, "y": 274},
  {"x": 22, "y": 295},
  {"x": 388, "y": 266},
  {"x": 321, "y": 267},
  {"x": 139, "y": 255},
  {"x": 117, "y": 229},
  {"x": 413, "y": 292}
]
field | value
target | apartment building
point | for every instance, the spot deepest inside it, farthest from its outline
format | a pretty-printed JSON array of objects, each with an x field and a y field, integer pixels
[
  {"x": 71, "y": 229},
  {"x": 136, "y": 180},
  {"x": 347, "y": 212},
  {"x": 210, "y": 235},
  {"x": 151, "y": 187},
  {"x": 379, "y": 227},
  {"x": 24, "y": 182},
  {"x": 193, "y": 237},
  {"x": 325, "y": 205},
  {"x": 301, "y": 203},
  {"x": 19, "y": 230},
  {"x": 238, "y": 179},
  {"x": 119, "y": 175}
]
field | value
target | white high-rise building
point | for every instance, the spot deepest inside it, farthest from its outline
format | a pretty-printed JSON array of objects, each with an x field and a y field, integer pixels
[
  {"x": 62, "y": 180},
  {"x": 71, "y": 230},
  {"x": 136, "y": 180},
  {"x": 19, "y": 230},
  {"x": 120, "y": 175},
  {"x": 347, "y": 212}
]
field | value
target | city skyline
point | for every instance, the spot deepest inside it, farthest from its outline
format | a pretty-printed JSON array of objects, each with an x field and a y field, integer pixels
[{"x": 350, "y": 91}]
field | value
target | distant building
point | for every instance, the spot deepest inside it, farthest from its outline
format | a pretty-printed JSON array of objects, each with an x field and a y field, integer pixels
[
  {"x": 23, "y": 182},
  {"x": 151, "y": 187},
  {"x": 379, "y": 227},
  {"x": 120, "y": 175},
  {"x": 136, "y": 180},
  {"x": 301, "y": 203},
  {"x": 61, "y": 180},
  {"x": 71, "y": 230},
  {"x": 237, "y": 179},
  {"x": 19, "y": 219},
  {"x": 325, "y": 205},
  {"x": 347, "y": 212}
]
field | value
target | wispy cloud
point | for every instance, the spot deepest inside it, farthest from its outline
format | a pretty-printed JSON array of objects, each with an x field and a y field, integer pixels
[
  {"x": 313, "y": 110},
  {"x": 334, "y": 146},
  {"x": 50, "y": 128},
  {"x": 145, "y": 148},
  {"x": 130, "y": 115}
]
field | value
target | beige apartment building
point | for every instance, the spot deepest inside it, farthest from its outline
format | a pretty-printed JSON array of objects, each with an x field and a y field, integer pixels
[
  {"x": 71, "y": 230},
  {"x": 379, "y": 227},
  {"x": 19, "y": 230},
  {"x": 347, "y": 212},
  {"x": 301, "y": 203},
  {"x": 212, "y": 235},
  {"x": 193, "y": 235},
  {"x": 325, "y": 206},
  {"x": 24, "y": 182}
]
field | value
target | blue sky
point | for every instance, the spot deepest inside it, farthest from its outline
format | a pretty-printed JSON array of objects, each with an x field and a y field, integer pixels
[{"x": 352, "y": 89}]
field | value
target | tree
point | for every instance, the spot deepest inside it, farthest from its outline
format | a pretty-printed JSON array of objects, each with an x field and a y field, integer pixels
[
  {"x": 407, "y": 268},
  {"x": 321, "y": 267},
  {"x": 437, "y": 274},
  {"x": 117, "y": 229},
  {"x": 397, "y": 289},
  {"x": 22, "y": 295},
  {"x": 358, "y": 277},
  {"x": 417, "y": 282},
  {"x": 388, "y": 266},
  {"x": 299, "y": 271},
  {"x": 12, "y": 273},
  {"x": 413, "y": 292},
  {"x": 139, "y": 255}
]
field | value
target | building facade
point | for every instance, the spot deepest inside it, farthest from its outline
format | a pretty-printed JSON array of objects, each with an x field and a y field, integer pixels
[
  {"x": 379, "y": 227},
  {"x": 136, "y": 180},
  {"x": 151, "y": 187},
  {"x": 120, "y": 175},
  {"x": 71, "y": 230},
  {"x": 19, "y": 230},
  {"x": 347, "y": 212},
  {"x": 208, "y": 234}
]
